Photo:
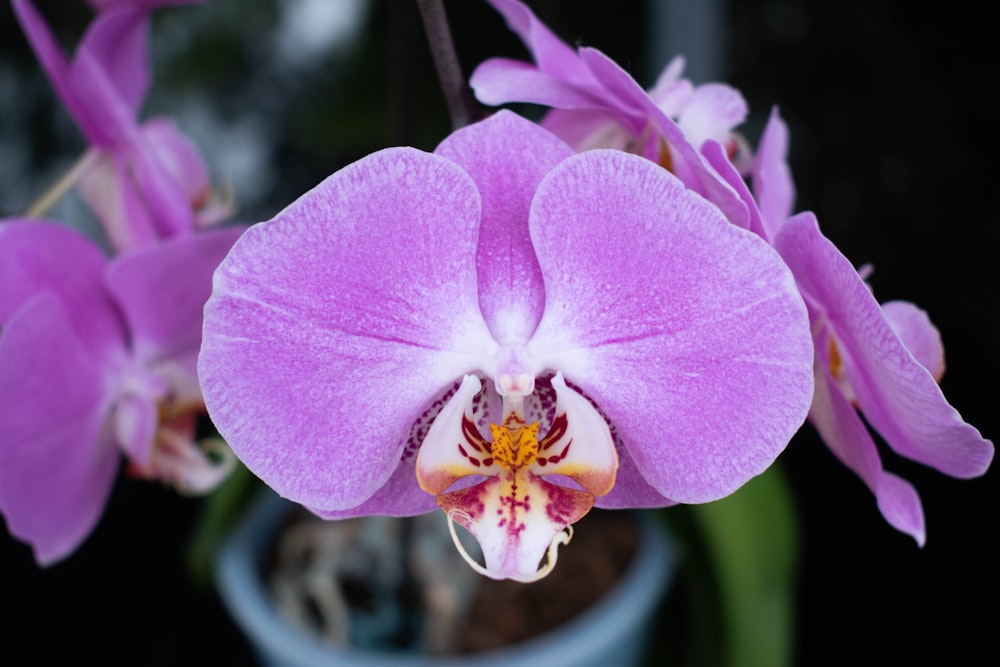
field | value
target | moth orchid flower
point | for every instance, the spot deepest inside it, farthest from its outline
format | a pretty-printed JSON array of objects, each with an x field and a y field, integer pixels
[
  {"x": 883, "y": 361},
  {"x": 97, "y": 358},
  {"x": 509, "y": 331},
  {"x": 597, "y": 104},
  {"x": 144, "y": 182}
]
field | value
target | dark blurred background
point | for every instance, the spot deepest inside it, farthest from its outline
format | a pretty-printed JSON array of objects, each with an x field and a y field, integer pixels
[{"x": 890, "y": 111}]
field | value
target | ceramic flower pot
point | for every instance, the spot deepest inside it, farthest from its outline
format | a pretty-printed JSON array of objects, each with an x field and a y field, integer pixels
[{"x": 612, "y": 630}]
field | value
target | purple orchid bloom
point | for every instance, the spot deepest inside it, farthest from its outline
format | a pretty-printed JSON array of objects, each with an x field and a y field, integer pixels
[
  {"x": 597, "y": 104},
  {"x": 883, "y": 361},
  {"x": 144, "y": 182},
  {"x": 509, "y": 330},
  {"x": 97, "y": 356}
]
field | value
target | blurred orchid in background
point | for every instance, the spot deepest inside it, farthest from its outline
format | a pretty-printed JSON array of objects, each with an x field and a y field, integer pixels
[
  {"x": 98, "y": 353},
  {"x": 144, "y": 182},
  {"x": 883, "y": 361},
  {"x": 97, "y": 358},
  {"x": 597, "y": 104}
]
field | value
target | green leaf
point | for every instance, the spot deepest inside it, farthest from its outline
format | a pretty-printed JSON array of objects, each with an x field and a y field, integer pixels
[
  {"x": 750, "y": 540},
  {"x": 218, "y": 513}
]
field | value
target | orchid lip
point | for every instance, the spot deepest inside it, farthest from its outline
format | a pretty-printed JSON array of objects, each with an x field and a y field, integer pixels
[{"x": 518, "y": 517}]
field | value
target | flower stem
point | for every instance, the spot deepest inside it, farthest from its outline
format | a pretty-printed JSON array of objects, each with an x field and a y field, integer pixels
[
  {"x": 461, "y": 106},
  {"x": 62, "y": 186}
]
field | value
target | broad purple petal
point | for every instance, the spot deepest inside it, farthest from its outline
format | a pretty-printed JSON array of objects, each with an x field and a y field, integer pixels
[
  {"x": 38, "y": 256},
  {"x": 847, "y": 437},
  {"x": 511, "y": 293},
  {"x": 685, "y": 330},
  {"x": 56, "y": 465},
  {"x": 331, "y": 327},
  {"x": 897, "y": 394},
  {"x": 162, "y": 290}
]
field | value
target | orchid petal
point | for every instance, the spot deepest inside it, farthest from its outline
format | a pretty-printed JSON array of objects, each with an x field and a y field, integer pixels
[
  {"x": 453, "y": 447},
  {"x": 553, "y": 55},
  {"x": 579, "y": 443},
  {"x": 168, "y": 205},
  {"x": 166, "y": 199},
  {"x": 56, "y": 465},
  {"x": 772, "y": 179},
  {"x": 619, "y": 91},
  {"x": 333, "y": 325},
  {"x": 401, "y": 495},
  {"x": 111, "y": 119},
  {"x": 135, "y": 422},
  {"x": 686, "y": 164},
  {"x": 689, "y": 333},
  {"x": 162, "y": 290},
  {"x": 671, "y": 92},
  {"x": 179, "y": 157},
  {"x": 111, "y": 193},
  {"x": 511, "y": 294},
  {"x": 847, "y": 437},
  {"x": 589, "y": 80},
  {"x": 712, "y": 112},
  {"x": 39, "y": 256},
  {"x": 119, "y": 40},
  {"x": 500, "y": 80},
  {"x": 585, "y": 129},
  {"x": 57, "y": 67},
  {"x": 918, "y": 334},
  {"x": 897, "y": 394},
  {"x": 191, "y": 467},
  {"x": 631, "y": 490},
  {"x": 715, "y": 156},
  {"x": 179, "y": 374}
]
